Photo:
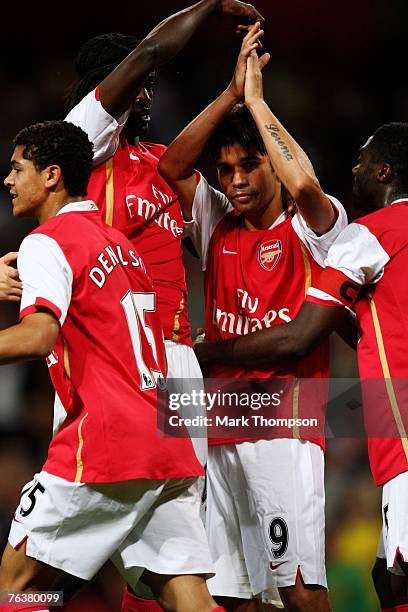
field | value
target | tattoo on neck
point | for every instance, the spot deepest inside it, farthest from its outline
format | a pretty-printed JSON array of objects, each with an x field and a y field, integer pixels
[{"x": 273, "y": 130}]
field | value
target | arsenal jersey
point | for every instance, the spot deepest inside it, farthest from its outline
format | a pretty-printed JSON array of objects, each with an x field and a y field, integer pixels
[
  {"x": 109, "y": 358},
  {"x": 257, "y": 279},
  {"x": 134, "y": 198},
  {"x": 368, "y": 271}
]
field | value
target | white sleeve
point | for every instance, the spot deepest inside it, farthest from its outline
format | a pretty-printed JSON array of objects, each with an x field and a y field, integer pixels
[
  {"x": 46, "y": 276},
  {"x": 102, "y": 129},
  {"x": 358, "y": 254},
  {"x": 319, "y": 245},
  {"x": 209, "y": 207}
]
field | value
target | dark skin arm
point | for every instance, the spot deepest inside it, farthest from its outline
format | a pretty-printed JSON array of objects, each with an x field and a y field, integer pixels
[
  {"x": 33, "y": 338},
  {"x": 267, "y": 347},
  {"x": 118, "y": 90},
  {"x": 348, "y": 329}
]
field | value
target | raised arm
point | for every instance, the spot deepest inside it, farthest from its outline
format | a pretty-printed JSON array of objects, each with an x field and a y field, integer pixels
[
  {"x": 288, "y": 158},
  {"x": 118, "y": 90},
  {"x": 177, "y": 163}
]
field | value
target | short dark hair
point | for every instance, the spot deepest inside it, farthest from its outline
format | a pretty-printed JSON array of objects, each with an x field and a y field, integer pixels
[
  {"x": 238, "y": 127},
  {"x": 61, "y": 143},
  {"x": 97, "y": 58},
  {"x": 389, "y": 144}
]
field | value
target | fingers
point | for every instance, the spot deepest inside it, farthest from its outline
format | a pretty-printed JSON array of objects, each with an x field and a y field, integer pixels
[
  {"x": 252, "y": 39},
  {"x": 263, "y": 60},
  {"x": 9, "y": 258}
]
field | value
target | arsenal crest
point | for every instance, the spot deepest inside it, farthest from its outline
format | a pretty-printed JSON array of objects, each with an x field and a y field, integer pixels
[{"x": 269, "y": 253}]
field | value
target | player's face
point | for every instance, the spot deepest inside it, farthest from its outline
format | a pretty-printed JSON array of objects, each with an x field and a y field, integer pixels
[
  {"x": 139, "y": 118},
  {"x": 247, "y": 179},
  {"x": 364, "y": 181},
  {"x": 26, "y": 185}
]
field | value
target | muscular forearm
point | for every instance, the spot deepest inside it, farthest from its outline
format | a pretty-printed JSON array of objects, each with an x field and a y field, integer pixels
[
  {"x": 178, "y": 161},
  {"x": 268, "y": 347},
  {"x": 294, "y": 168},
  {"x": 118, "y": 90},
  {"x": 262, "y": 349},
  {"x": 30, "y": 339}
]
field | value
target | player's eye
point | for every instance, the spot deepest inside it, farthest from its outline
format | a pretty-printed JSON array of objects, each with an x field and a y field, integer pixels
[{"x": 224, "y": 170}]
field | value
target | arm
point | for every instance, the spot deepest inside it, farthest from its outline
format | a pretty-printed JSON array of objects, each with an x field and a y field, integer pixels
[
  {"x": 289, "y": 160},
  {"x": 177, "y": 163},
  {"x": 267, "y": 347},
  {"x": 348, "y": 329},
  {"x": 10, "y": 285},
  {"x": 33, "y": 338},
  {"x": 119, "y": 88}
]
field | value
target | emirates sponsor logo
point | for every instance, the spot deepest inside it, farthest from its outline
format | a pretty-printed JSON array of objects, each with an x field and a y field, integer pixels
[
  {"x": 141, "y": 207},
  {"x": 269, "y": 253},
  {"x": 242, "y": 324}
]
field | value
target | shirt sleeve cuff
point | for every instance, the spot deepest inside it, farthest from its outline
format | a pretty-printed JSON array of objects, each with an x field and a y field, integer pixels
[{"x": 41, "y": 303}]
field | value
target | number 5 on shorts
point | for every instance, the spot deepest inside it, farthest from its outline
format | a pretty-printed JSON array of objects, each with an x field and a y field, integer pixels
[{"x": 31, "y": 495}]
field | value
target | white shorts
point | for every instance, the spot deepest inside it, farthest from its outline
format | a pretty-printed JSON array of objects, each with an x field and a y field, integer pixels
[
  {"x": 394, "y": 534},
  {"x": 265, "y": 516},
  {"x": 184, "y": 375},
  {"x": 77, "y": 527}
]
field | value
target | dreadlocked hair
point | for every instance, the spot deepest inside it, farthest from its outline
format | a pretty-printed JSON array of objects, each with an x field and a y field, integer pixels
[
  {"x": 97, "y": 58},
  {"x": 239, "y": 128},
  {"x": 61, "y": 143}
]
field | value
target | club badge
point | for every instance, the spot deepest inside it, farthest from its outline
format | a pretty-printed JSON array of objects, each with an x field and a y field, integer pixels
[{"x": 269, "y": 253}]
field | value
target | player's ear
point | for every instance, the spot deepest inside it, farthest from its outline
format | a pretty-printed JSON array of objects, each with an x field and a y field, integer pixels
[
  {"x": 383, "y": 172},
  {"x": 52, "y": 175}
]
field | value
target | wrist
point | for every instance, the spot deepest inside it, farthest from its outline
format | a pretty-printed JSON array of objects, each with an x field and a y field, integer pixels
[
  {"x": 232, "y": 94},
  {"x": 255, "y": 103}
]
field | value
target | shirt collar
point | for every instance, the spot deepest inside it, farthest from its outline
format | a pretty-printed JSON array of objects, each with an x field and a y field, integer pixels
[
  {"x": 82, "y": 206},
  {"x": 399, "y": 200},
  {"x": 282, "y": 217}
]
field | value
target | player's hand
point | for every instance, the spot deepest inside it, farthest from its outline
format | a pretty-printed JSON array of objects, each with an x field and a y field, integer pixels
[
  {"x": 249, "y": 43},
  {"x": 253, "y": 78},
  {"x": 205, "y": 353},
  {"x": 10, "y": 286},
  {"x": 242, "y": 12},
  {"x": 200, "y": 335}
]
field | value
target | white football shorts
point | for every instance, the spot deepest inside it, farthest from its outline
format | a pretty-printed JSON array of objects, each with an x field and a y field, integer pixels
[
  {"x": 265, "y": 516},
  {"x": 77, "y": 527},
  {"x": 394, "y": 535},
  {"x": 184, "y": 376}
]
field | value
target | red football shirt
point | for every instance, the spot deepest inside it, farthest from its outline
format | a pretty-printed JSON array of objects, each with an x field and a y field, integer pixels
[
  {"x": 110, "y": 356},
  {"x": 134, "y": 198},
  {"x": 372, "y": 253},
  {"x": 257, "y": 279}
]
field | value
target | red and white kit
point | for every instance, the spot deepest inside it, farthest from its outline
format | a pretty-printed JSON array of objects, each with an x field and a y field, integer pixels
[
  {"x": 106, "y": 367},
  {"x": 253, "y": 280},
  {"x": 367, "y": 271},
  {"x": 134, "y": 198}
]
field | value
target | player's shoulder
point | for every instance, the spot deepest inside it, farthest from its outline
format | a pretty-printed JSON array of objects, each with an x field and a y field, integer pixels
[
  {"x": 153, "y": 148},
  {"x": 391, "y": 217}
]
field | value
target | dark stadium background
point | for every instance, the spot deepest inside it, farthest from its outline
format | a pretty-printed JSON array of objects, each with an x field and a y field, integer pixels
[{"x": 336, "y": 73}]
